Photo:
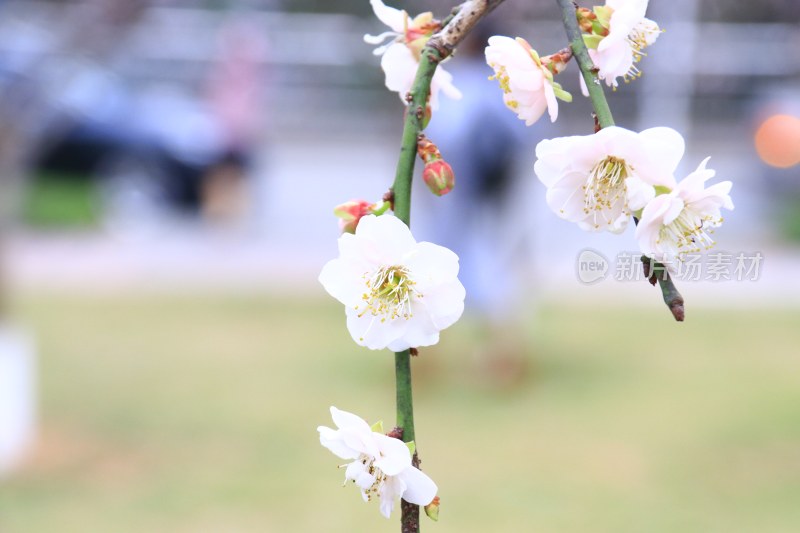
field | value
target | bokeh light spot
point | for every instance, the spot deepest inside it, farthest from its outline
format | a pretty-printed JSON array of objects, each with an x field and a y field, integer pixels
[{"x": 778, "y": 141}]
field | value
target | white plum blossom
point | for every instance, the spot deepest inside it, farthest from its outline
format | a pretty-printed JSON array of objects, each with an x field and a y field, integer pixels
[
  {"x": 527, "y": 83},
  {"x": 381, "y": 465},
  {"x": 400, "y": 57},
  {"x": 598, "y": 181},
  {"x": 682, "y": 220},
  {"x": 628, "y": 33},
  {"x": 398, "y": 293}
]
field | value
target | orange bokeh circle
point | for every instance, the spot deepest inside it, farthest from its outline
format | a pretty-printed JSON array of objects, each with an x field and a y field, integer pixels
[{"x": 778, "y": 141}]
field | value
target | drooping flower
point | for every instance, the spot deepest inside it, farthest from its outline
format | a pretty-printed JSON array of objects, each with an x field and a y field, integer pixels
[
  {"x": 682, "y": 221},
  {"x": 398, "y": 293},
  {"x": 401, "y": 55},
  {"x": 620, "y": 33},
  {"x": 598, "y": 181},
  {"x": 381, "y": 465},
  {"x": 526, "y": 81}
]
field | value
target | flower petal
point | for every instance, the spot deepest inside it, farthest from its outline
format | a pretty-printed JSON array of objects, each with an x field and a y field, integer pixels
[
  {"x": 420, "y": 489},
  {"x": 394, "y": 455},
  {"x": 394, "y": 18}
]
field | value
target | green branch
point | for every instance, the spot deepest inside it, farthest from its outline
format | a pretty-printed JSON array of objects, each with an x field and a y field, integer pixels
[
  {"x": 460, "y": 21},
  {"x": 659, "y": 273}
]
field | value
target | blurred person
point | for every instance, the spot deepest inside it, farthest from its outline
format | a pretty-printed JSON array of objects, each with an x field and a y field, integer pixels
[
  {"x": 235, "y": 98},
  {"x": 481, "y": 140}
]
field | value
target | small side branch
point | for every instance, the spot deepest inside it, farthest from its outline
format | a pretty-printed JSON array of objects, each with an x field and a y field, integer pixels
[
  {"x": 588, "y": 70},
  {"x": 657, "y": 272}
]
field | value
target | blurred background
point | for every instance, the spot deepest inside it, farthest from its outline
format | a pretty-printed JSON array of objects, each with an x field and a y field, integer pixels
[{"x": 168, "y": 173}]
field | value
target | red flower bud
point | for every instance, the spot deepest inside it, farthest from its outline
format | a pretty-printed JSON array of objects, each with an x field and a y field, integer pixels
[
  {"x": 439, "y": 177},
  {"x": 349, "y": 213}
]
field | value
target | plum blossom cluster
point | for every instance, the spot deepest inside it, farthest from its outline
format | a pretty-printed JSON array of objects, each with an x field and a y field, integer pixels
[
  {"x": 615, "y": 35},
  {"x": 379, "y": 465},
  {"x": 600, "y": 181}
]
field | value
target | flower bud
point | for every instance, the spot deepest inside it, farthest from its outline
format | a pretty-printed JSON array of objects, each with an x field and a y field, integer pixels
[
  {"x": 426, "y": 150},
  {"x": 439, "y": 177},
  {"x": 349, "y": 213},
  {"x": 556, "y": 63},
  {"x": 432, "y": 509}
]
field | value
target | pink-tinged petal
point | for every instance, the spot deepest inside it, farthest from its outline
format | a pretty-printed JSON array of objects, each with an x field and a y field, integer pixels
[
  {"x": 675, "y": 206},
  {"x": 555, "y": 156},
  {"x": 694, "y": 183},
  {"x": 616, "y": 141},
  {"x": 394, "y": 18},
  {"x": 566, "y": 197},
  {"x": 552, "y": 102},
  {"x": 420, "y": 489},
  {"x": 394, "y": 455}
]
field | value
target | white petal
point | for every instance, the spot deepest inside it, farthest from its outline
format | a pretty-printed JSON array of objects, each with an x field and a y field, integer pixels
[
  {"x": 394, "y": 455},
  {"x": 368, "y": 330},
  {"x": 389, "y": 491},
  {"x": 552, "y": 102},
  {"x": 394, "y": 18},
  {"x": 420, "y": 331},
  {"x": 342, "y": 281},
  {"x": 332, "y": 440},
  {"x": 420, "y": 489},
  {"x": 400, "y": 68},
  {"x": 584, "y": 88},
  {"x": 344, "y": 419},
  {"x": 639, "y": 193},
  {"x": 378, "y": 39},
  {"x": 664, "y": 148},
  {"x": 444, "y": 304},
  {"x": 431, "y": 264},
  {"x": 384, "y": 239}
]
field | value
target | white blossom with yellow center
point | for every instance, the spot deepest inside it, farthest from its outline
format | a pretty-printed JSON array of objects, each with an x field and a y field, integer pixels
[
  {"x": 381, "y": 465},
  {"x": 683, "y": 220},
  {"x": 398, "y": 293},
  {"x": 598, "y": 181}
]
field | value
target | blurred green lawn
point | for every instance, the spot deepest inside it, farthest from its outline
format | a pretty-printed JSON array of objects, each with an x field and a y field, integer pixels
[{"x": 199, "y": 413}]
